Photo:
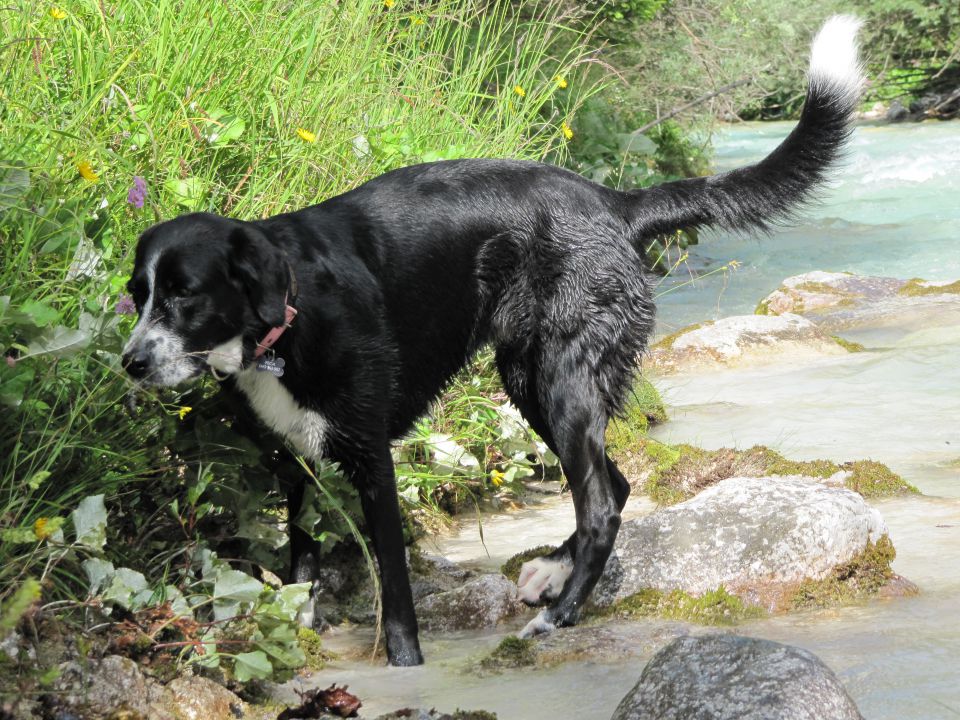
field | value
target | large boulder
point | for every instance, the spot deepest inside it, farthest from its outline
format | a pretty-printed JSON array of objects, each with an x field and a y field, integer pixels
[
  {"x": 741, "y": 340},
  {"x": 717, "y": 677},
  {"x": 841, "y": 301},
  {"x": 761, "y": 539},
  {"x": 480, "y": 604}
]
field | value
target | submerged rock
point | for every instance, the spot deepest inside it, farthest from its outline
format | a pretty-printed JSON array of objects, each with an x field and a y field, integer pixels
[
  {"x": 480, "y": 604},
  {"x": 726, "y": 676},
  {"x": 759, "y": 539},
  {"x": 839, "y": 301},
  {"x": 739, "y": 341}
]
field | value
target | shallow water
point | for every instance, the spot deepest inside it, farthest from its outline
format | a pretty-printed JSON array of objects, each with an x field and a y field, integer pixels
[{"x": 895, "y": 211}]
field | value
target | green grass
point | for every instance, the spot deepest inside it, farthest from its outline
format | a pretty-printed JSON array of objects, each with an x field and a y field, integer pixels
[{"x": 245, "y": 108}]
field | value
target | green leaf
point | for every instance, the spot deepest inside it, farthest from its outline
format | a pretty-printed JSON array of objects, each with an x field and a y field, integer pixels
[
  {"x": 252, "y": 665},
  {"x": 90, "y": 522},
  {"x": 225, "y": 129},
  {"x": 59, "y": 341},
  {"x": 124, "y": 587},
  {"x": 235, "y": 585},
  {"x": 17, "y": 605},
  {"x": 41, "y": 314},
  {"x": 97, "y": 570},
  {"x": 14, "y": 382},
  {"x": 188, "y": 192},
  {"x": 14, "y": 186}
]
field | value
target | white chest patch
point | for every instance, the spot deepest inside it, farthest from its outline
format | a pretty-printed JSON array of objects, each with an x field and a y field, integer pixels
[{"x": 277, "y": 408}]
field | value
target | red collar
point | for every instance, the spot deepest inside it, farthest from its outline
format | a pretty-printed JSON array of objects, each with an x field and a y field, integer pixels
[{"x": 274, "y": 334}]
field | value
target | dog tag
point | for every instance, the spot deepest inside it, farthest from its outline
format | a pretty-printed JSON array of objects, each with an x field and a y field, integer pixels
[{"x": 272, "y": 365}]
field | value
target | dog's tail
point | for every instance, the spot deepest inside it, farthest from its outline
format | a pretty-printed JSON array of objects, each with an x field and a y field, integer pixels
[{"x": 760, "y": 195}]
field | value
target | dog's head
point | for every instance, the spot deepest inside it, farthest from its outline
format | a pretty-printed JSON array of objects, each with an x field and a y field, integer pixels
[{"x": 204, "y": 287}]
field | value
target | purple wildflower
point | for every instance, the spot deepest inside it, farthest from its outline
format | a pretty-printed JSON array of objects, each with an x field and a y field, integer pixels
[
  {"x": 125, "y": 305},
  {"x": 137, "y": 194}
]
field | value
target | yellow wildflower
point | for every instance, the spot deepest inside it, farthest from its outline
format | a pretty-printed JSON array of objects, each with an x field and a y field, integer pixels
[
  {"x": 306, "y": 135},
  {"x": 388, "y": 4},
  {"x": 416, "y": 21},
  {"x": 57, "y": 14},
  {"x": 496, "y": 477},
  {"x": 86, "y": 171},
  {"x": 183, "y": 411},
  {"x": 519, "y": 91},
  {"x": 41, "y": 528},
  {"x": 561, "y": 81},
  {"x": 565, "y": 129}
]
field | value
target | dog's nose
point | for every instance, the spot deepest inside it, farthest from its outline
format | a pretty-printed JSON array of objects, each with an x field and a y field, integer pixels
[{"x": 135, "y": 363}]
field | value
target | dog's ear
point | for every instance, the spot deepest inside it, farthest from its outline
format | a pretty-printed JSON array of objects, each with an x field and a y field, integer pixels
[{"x": 261, "y": 268}]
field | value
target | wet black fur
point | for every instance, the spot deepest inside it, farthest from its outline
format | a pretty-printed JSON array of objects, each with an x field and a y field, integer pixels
[{"x": 403, "y": 279}]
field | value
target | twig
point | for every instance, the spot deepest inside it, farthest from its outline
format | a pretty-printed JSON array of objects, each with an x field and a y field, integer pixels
[{"x": 686, "y": 106}]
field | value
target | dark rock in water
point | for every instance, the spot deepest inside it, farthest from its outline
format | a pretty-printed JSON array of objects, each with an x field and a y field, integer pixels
[
  {"x": 726, "y": 676},
  {"x": 897, "y": 112},
  {"x": 420, "y": 714},
  {"x": 480, "y": 604}
]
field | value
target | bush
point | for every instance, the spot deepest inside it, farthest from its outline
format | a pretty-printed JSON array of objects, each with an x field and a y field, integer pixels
[{"x": 112, "y": 118}]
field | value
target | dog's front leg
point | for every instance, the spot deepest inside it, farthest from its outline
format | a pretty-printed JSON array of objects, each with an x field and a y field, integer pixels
[{"x": 381, "y": 508}]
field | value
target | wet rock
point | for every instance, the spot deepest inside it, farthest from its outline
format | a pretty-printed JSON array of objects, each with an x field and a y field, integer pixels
[
  {"x": 740, "y": 341},
  {"x": 480, "y": 604},
  {"x": 107, "y": 688},
  {"x": 840, "y": 301},
  {"x": 726, "y": 676},
  {"x": 197, "y": 698},
  {"x": 431, "y": 574},
  {"x": 113, "y": 686},
  {"x": 420, "y": 714},
  {"x": 759, "y": 538}
]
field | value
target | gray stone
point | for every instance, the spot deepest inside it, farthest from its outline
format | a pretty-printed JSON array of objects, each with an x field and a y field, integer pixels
[
  {"x": 757, "y": 537},
  {"x": 738, "y": 341},
  {"x": 109, "y": 687},
  {"x": 192, "y": 697},
  {"x": 719, "y": 677},
  {"x": 480, "y": 604},
  {"x": 102, "y": 688},
  {"x": 841, "y": 301}
]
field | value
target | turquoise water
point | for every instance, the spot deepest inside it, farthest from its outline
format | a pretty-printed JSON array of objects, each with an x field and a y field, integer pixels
[{"x": 893, "y": 208}]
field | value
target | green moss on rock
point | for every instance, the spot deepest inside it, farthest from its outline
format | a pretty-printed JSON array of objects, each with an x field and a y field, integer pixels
[
  {"x": 644, "y": 409},
  {"x": 875, "y": 480},
  {"x": 667, "y": 341},
  {"x": 848, "y": 345},
  {"x": 762, "y": 308},
  {"x": 917, "y": 287},
  {"x": 716, "y": 607},
  {"x": 862, "y": 577},
  {"x": 512, "y": 652},
  {"x": 312, "y": 647},
  {"x": 511, "y": 568}
]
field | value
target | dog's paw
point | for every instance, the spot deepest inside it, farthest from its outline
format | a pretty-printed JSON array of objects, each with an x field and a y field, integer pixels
[
  {"x": 540, "y": 625},
  {"x": 542, "y": 579}
]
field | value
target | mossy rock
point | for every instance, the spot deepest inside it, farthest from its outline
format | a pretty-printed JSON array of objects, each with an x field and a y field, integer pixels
[
  {"x": 312, "y": 646},
  {"x": 667, "y": 341},
  {"x": 861, "y": 577},
  {"x": 644, "y": 409},
  {"x": 848, "y": 345},
  {"x": 717, "y": 607},
  {"x": 917, "y": 287},
  {"x": 875, "y": 480},
  {"x": 511, "y": 568},
  {"x": 512, "y": 652}
]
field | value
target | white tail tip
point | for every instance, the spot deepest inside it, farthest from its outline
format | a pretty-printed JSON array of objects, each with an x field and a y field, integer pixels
[{"x": 834, "y": 59}]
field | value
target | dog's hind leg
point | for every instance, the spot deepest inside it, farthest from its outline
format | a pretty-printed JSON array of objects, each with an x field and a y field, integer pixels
[{"x": 542, "y": 579}]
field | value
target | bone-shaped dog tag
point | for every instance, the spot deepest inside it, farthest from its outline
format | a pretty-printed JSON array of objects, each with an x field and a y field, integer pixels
[{"x": 272, "y": 365}]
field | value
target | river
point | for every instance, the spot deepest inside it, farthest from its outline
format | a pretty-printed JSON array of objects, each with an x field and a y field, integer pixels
[{"x": 893, "y": 209}]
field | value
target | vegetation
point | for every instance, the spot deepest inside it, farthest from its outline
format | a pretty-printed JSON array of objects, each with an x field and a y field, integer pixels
[
  {"x": 511, "y": 652},
  {"x": 115, "y": 116},
  {"x": 716, "y": 607},
  {"x": 861, "y": 577}
]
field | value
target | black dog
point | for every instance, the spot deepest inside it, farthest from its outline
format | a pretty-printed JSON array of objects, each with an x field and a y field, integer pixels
[{"x": 396, "y": 284}]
